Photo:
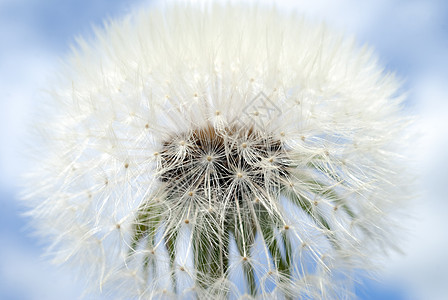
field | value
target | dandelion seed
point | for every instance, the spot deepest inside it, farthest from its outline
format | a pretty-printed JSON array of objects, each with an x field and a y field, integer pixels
[{"x": 288, "y": 172}]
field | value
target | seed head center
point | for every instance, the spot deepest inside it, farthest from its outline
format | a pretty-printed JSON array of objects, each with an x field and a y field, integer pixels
[{"x": 227, "y": 156}]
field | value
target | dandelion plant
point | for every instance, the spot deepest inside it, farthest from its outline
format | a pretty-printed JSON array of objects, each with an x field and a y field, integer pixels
[{"x": 220, "y": 152}]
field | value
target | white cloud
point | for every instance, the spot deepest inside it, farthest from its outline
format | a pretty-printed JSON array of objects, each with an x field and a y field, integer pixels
[
  {"x": 25, "y": 276},
  {"x": 18, "y": 99}
]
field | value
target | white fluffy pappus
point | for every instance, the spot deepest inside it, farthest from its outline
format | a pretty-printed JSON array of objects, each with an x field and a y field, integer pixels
[{"x": 220, "y": 152}]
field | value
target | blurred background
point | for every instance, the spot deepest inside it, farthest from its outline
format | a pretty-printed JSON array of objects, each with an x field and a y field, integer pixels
[{"x": 410, "y": 38}]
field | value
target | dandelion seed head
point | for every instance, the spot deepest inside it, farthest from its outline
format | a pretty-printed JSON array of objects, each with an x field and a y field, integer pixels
[{"x": 221, "y": 152}]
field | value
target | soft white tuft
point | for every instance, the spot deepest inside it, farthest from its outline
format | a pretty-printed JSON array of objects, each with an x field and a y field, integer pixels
[{"x": 222, "y": 151}]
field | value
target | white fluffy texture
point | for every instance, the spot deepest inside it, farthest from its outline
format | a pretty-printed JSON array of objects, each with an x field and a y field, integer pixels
[{"x": 165, "y": 73}]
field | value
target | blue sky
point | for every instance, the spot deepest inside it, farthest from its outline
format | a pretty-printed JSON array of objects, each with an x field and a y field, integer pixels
[{"x": 410, "y": 37}]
